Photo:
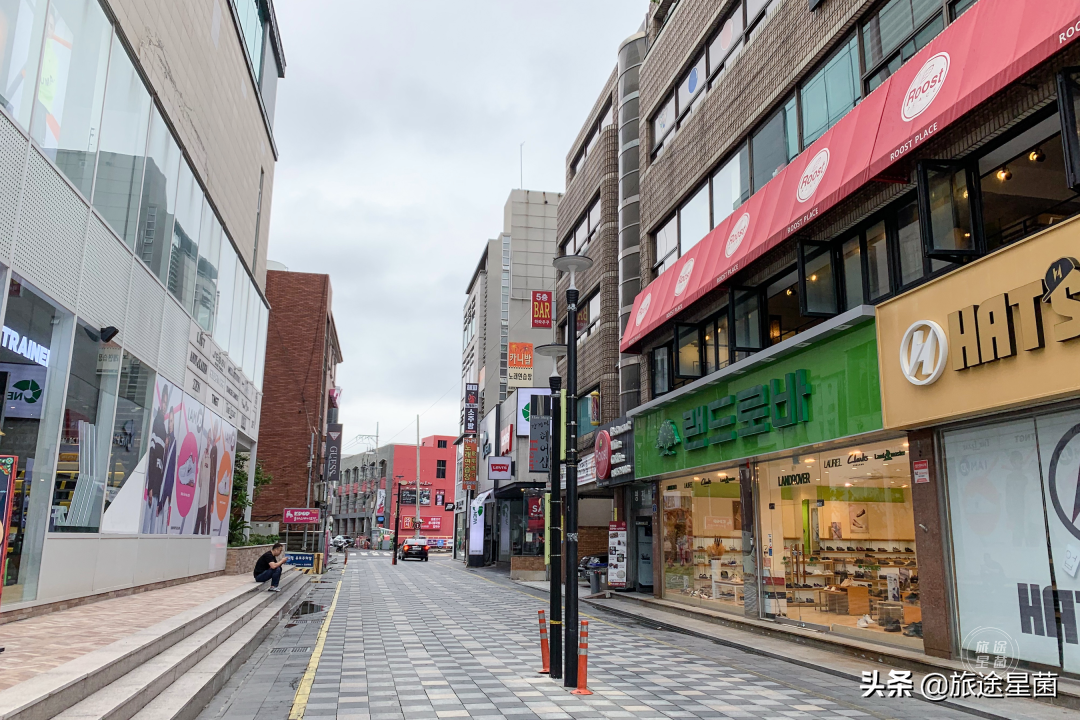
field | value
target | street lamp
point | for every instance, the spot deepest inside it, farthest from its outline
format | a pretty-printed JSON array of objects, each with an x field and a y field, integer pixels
[
  {"x": 397, "y": 520},
  {"x": 555, "y": 351},
  {"x": 572, "y": 264}
]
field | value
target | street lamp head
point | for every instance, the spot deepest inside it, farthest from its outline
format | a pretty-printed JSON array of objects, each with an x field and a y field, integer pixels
[
  {"x": 572, "y": 264},
  {"x": 551, "y": 350}
]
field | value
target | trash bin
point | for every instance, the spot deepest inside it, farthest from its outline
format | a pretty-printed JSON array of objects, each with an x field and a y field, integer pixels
[{"x": 594, "y": 582}]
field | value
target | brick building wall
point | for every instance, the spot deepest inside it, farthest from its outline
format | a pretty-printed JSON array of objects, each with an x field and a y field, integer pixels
[
  {"x": 598, "y": 355},
  {"x": 295, "y": 388}
]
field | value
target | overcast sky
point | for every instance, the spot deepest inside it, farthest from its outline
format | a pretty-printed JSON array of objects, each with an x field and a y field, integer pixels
[{"x": 398, "y": 125}]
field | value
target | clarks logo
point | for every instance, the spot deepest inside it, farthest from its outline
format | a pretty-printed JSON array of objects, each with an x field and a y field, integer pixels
[
  {"x": 925, "y": 87},
  {"x": 813, "y": 175},
  {"x": 643, "y": 309},
  {"x": 738, "y": 232},
  {"x": 684, "y": 277}
]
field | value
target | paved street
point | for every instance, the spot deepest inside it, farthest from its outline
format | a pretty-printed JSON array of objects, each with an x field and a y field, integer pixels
[{"x": 433, "y": 640}]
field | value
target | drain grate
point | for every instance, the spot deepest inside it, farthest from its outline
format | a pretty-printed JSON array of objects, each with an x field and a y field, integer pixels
[{"x": 287, "y": 650}]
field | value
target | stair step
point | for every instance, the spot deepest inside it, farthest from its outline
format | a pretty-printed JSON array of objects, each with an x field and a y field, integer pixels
[
  {"x": 124, "y": 697},
  {"x": 192, "y": 691}
]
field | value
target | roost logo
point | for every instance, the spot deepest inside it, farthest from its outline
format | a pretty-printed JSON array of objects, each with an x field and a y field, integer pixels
[
  {"x": 813, "y": 175},
  {"x": 925, "y": 87},
  {"x": 684, "y": 277},
  {"x": 643, "y": 309},
  {"x": 738, "y": 232}
]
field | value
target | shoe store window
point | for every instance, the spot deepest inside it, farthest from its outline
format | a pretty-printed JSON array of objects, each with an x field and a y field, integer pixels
[
  {"x": 707, "y": 543},
  {"x": 1011, "y": 490},
  {"x": 838, "y": 534}
]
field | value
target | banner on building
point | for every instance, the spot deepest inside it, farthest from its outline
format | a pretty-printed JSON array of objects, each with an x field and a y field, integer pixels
[
  {"x": 519, "y": 365},
  {"x": 301, "y": 516},
  {"x": 408, "y": 522},
  {"x": 541, "y": 309},
  {"x": 469, "y": 465},
  {"x": 333, "y": 452},
  {"x": 476, "y": 524},
  {"x": 472, "y": 408},
  {"x": 540, "y": 445},
  {"x": 380, "y": 502}
]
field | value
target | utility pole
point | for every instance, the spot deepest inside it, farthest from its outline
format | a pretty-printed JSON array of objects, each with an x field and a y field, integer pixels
[{"x": 416, "y": 533}]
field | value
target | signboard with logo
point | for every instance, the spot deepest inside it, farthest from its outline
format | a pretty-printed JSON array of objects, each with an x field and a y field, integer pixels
[
  {"x": 614, "y": 453},
  {"x": 499, "y": 468},
  {"x": 469, "y": 465},
  {"x": 408, "y": 522},
  {"x": 506, "y": 439},
  {"x": 25, "y": 386},
  {"x": 300, "y": 560},
  {"x": 617, "y": 564},
  {"x": 301, "y": 516},
  {"x": 541, "y": 309},
  {"x": 999, "y": 333},
  {"x": 825, "y": 391},
  {"x": 524, "y": 408},
  {"x": 472, "y": 408},
  {"x": 540, "y": 445},
  {"x": 476, "y": 524},
  {"x": 333, "y": 452},
  {"x": 519, "y": 365}
]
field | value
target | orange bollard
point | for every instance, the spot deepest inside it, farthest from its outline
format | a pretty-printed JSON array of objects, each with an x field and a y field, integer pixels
[
  {"x": 583, "y": 662},
  {"x": 545, "y": 651}
]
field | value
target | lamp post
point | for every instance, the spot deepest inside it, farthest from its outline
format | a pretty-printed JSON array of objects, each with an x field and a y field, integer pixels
[
  {"x": 555, "y": 351},
  {"x": 572, "y": 264},
  {"x": 397, "y": 520}
]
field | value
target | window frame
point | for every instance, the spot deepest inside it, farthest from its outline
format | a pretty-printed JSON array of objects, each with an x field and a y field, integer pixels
[
  {"x": 1068, "y": 85},
  {"x": 869, "y": 72},
  {"x": 689, "y": 328},
  {"x": 668, "y": 347},
  {"x": 832, "y": 250},
  {"x": 762, "y": 311},
  {"x": 974, "y": 185}
]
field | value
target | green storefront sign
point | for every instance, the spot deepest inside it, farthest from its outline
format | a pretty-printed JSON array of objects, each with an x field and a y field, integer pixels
[{"x": 825, "y": 391}]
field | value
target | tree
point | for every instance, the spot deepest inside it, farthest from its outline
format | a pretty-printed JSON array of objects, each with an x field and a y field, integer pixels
[{"x": 240, "y": 500}]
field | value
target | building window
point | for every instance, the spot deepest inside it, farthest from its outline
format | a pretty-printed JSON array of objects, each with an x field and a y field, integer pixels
[
  {"x": 663, "y": 124},
  {"x": 831, "y": 93},
  {"x": 959, "y": 7},
  {"x": 893, "y": 34},
  {"x": 667, "y": 245},
  {"x": 591, "y": 139},
  {"x": 661, "y": 370},
  {"x": 588, "y": 317},
  {"x": 440, "y": 465},
  {"x": 775, "y": 144},
  {"x": 731, "y": 185},
  {"x": 725, "y": 46},
  {"x": 253, "y": 29},
  {"x": 694, "y": 222},
  {"x": 688, "y": 351},
  {"x": 690, "y": 92},
  {"x": 578, "y": 241},
  {"x": 442, "y": 444}
]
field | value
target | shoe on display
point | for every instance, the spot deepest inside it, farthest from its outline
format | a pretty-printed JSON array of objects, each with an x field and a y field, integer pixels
[
  {"x": 907, "y": 549},
  {"x": 829, "y": 548},
  {"x": 882, "y": 550},
  {"x": 891, "y": 626},
  {"x": 912, "y": 597},
  {"x": 913, "y": 630},
  {"x": 895, "y": 549},
  {"x": 865, "y": 621},
  {"x": 850, "y": 549}
]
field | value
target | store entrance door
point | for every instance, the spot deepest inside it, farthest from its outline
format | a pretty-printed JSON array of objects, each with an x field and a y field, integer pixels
[{"x": 643, "y": 551}]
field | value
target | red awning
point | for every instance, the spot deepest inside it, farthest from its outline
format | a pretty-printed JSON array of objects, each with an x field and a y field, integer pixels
[{"x": 989, "y": 47}]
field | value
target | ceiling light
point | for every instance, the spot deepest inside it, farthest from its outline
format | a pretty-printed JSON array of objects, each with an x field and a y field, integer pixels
[
  {"x": 965, "y": 194},
  {"x": 847, "y": 484},
  {"x": 1004, "y": 173},
  {"x": 788, "y": 291},
  {"x": 813, "y": 278},
  {"x": 904, "y": 444},
  {"x": 1037, "y": 155}
]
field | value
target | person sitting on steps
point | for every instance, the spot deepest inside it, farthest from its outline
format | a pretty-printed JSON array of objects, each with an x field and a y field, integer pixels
[{"x": 268, "y": 567}]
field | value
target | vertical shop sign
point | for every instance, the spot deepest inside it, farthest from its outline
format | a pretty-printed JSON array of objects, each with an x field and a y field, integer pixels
[
  {"x": 476, "y": 525},
  {"x": 472, "y": 408},
  {"x": 469, "y": 462},
  {"x": 8, "y": 468},
  {"x": 333, "y": 452},
  {"x": 540, "y": 445},
  {"x": 506, "y": 440},
  {"x": 519, "y": 365},
  {"x": 541, "y": 309},
  {"x": 921, "y": 470},
  {"x": 616, "y": 575}
]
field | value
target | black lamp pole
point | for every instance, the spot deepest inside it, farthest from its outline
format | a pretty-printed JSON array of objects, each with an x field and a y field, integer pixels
[
  {"x": 555, "y": 522},
  {"x": 571, "y": 627}
]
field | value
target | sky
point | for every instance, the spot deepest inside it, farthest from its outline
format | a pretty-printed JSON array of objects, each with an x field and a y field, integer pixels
[{"x": 398, "y": 126}]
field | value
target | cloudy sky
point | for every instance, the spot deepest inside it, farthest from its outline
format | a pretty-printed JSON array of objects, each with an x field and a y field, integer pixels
[{"x": 398, "y": 125}]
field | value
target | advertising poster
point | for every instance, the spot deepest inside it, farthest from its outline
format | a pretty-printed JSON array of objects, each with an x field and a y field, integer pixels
[
  {"x": 189, "y": 433},
  {"x": 161, "y": 454},
  {"x": 525, "y": 411},
  {"x": 476, "y": 525},
  {"x": 8, "y": 469},
  {"x": 541, "y": 309},
  {"x": 519, "y": 366},
  {"x": 616, "y": 576},
  {"x": 222, "y": 477},
  {"x": 380, "y": 502}
]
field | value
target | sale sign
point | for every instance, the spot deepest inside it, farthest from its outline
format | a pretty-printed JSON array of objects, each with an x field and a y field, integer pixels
[
  {"x": 301, "y": 516},
  {"x": 541, "y": 309}
]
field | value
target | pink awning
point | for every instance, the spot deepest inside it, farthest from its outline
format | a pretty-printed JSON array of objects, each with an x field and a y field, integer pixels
[{"x": 989, "y": 47}]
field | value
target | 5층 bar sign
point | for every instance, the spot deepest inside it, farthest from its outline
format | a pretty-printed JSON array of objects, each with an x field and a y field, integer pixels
[{"x": 541, "y": 309}]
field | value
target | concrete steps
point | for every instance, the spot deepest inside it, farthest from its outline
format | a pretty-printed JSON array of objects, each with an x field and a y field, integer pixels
[{"x": 119, "y": 680}]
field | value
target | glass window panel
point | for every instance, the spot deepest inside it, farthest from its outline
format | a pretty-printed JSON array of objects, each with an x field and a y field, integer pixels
[
  {"x": 206, "y": 283},
  {"x": 688, "y": 344},
  {"x": 791, "y": 128},
  {"x": 694, "y": 219},
  {"x": 729, "y": 36},
  {"x": 661, "y": 370},
  {"x": 130, "y": 437},
  {"x": 910, "y": 243},
  {"x": 1027, "y": 194},
  {"x": 820, "y": 283},
  {"x": 153, "y": 240},
  {"x": 747, "y": 319},
  {"x": 629, "y": 82},
  {"x": 594, "y": 137},
  {"x": 67, "y": 114},
  {"x": 241, "y": 287},
  {"x": 629, "y": 123},
  {"x": 877, "y": 261},
  {"x": 853, "y": 274},
  {"x": 22, "y": 27},
  {"x": 731, "y": 186},
  {"x": 225, "y": 289},
  {"x": 998, "y": 529},
  {"x": 664, "y": 121},
  {"x": 184, "y": 253},
  {"x": 86, "y": 435},
  {"x": 771, "y": 146},
  {"x": 122, "y": 152},
  {"x": 691, "y": 84},
  {"x": 889, "y": 27},
  {"x": 950, "y": 209},
  {"x": 959, "y": 7},
  {"x": 754, "y": 8},
  {"x": 252, "y": 331},
  {"x": 34, "y": 355},
  {"x": 667, "y": 240},
  {"x": 594, "y": 217},
  {"x": 260, "y": 353},
  {"x": 831, "y": 93}
]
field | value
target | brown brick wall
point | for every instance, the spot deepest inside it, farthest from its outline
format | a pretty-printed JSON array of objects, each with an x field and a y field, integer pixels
[
  {"x": 592, "y": 541},
  {"x": 294, "y": 387}
]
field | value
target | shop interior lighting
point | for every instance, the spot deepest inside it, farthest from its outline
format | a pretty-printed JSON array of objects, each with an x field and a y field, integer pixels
[
  {"x": 813, "y": 278},
  {"x": 1037, "y": 155},
  {"x": 1004, "y": 174}
]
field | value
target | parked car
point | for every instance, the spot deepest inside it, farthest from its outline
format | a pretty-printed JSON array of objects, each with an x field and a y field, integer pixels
[
  {"x": 414, "y": 548},
  {"x": 591, "y": 563}
]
